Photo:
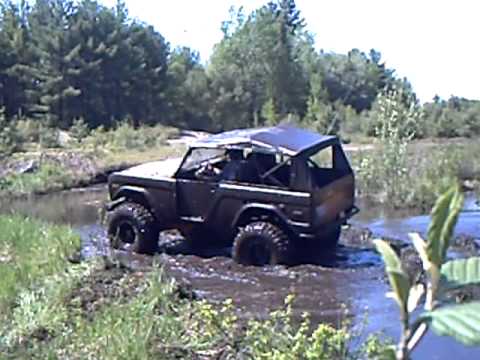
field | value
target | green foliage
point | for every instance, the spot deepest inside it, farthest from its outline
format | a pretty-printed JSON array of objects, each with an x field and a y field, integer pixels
[
  {"x": 68, "y": 60},
  {"x": 376, "y": 349},
  {"x": 9, "y": 140},
  {"x": 126, "y": 137},
  {"x": 30, "y": 251},
  {"x": 48, "y": 137},
  {"x": 458, "y": 273},
  {"x": 322, "y": 117},
  {"x": 452, "y": 118},
  {"x": 444, "y": 218},
  {"x": 269, "y": 113},
  {"x": 29, "y": 130},
  {"x": 458, "y": 321},
  {"x": 49, "y": 176},
  {"x": 402, "y": 111},
  {"x": 385, "y": 171},
  {"x": 396, "y": 274},
  {"x": 53, "y": 309},
  {"x": 150, "y": 321},
  {"x": 79, "y": 130}
]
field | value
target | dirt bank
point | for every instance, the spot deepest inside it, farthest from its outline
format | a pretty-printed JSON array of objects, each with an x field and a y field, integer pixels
[{"x": 52, "y": 171}]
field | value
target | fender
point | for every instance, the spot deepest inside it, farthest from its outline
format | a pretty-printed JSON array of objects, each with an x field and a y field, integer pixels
[
  {"x": 122, "y": 194},
  {"x": 263, "y": 207}
]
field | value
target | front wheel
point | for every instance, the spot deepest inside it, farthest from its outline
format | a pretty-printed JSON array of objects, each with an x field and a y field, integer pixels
[
  {"x": 261, "y": 243},
  {"x": 131, "y": 226}
]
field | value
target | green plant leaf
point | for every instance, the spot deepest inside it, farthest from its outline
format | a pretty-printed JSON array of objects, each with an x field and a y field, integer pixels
[
  {"x": 444, "y": 217},
  {"x": 397, "y": 277},
  {"x": 421, "y": 247},
  {"x": 414, "y": 296},
  {"x": 462, "y": 322},
  {"x": 459, "y": 273}
]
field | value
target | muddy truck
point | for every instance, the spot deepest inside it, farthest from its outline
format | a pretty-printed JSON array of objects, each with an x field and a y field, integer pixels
[{"x": 269, "y": 193}]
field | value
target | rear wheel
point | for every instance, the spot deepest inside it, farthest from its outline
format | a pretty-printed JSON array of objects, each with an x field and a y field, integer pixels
[
  {"x": 261, "y": 243},
  {"x": 133, "y": 227}
]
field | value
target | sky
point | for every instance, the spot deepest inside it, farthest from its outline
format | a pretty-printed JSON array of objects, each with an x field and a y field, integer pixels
[{"x": 434, "y": 43}]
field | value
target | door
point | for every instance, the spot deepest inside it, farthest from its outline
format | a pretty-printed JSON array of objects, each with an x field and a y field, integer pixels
[{"x": 194, "y": 198}]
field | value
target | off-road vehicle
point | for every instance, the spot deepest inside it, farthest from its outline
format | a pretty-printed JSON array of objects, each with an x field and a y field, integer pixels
[{"x": 269, "y": 192}]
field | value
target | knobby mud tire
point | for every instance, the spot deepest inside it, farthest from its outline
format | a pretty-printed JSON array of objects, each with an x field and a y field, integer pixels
[
  {"x": 131, "y": 226},
  {"x": 265, "y": 237}
]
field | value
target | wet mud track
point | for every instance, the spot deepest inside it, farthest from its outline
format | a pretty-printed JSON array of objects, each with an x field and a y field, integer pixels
[
  {"x": 323, "y": 289},
  {"x": 349, "y": 284}
]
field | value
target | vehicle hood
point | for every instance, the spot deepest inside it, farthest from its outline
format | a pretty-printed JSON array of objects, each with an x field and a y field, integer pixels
[{"x": 154, "y": 170}]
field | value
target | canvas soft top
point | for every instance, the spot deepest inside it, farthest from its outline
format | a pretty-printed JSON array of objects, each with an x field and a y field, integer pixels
[{"x": 287, "y": 139}]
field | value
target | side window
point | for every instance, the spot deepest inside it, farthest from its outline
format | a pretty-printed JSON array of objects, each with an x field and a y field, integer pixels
[
  {"x": 274, "y": 170},
  {"x": 322, "y": 159},
  {"x": 198, "y": 157}
]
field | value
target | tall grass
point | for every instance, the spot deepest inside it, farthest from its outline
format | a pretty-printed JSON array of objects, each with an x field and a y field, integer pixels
[
  {"x": 416, "y": 177},
  {"x": 30, "y": 251}
]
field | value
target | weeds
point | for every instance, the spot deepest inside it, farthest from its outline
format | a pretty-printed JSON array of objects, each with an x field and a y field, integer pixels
[
  {"x": 401, "y": 173},
  {"x": 32, "y": 251}
]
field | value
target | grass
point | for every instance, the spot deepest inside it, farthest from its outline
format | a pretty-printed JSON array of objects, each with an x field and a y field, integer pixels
[
  {"x": 48, "y": 177},
  {"x": 30, "y": 251},
  {"x": 101, "y": 310}
]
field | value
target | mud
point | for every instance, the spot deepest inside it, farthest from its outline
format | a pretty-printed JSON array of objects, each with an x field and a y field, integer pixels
[{"x": 346, "y": 284}]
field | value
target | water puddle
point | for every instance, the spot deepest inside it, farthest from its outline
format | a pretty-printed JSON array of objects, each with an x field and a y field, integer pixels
[{"x": 348, "y": 284}]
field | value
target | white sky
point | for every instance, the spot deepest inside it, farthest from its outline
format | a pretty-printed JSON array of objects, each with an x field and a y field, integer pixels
[{"x": 434, "y": 43}]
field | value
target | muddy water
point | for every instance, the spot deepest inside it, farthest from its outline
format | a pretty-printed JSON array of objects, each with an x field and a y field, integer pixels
[{"x": 348, "y": 284}]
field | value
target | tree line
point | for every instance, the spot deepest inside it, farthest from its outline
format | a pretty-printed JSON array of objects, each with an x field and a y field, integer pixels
[{"x": 63, "y": 60}]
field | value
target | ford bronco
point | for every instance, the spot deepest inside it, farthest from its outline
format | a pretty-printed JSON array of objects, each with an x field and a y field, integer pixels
[{"x": 268, "y": 192}]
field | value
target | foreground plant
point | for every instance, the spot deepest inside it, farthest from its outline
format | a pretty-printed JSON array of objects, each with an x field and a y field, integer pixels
[{"x": 460, "y": 321}]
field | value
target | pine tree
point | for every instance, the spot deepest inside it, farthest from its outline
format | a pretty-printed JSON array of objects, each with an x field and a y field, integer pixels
[
  {"x": 55, "y": 60},
  {"x": 14, "y": 39}
]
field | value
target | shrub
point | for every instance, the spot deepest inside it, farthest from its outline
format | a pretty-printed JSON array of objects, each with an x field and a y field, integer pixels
[
  {"x": 79, "y": 130},
  {"x": 48, "y": 137},
  {"x": 402, "y": 111},
  {"x": 385, "y": 172},
  {"x": 29, "y": 130}
]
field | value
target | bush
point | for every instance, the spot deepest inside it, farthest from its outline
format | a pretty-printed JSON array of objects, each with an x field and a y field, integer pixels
[
  {"x": 385, "y": 172},
  {"x": 48, "y": 137},
  {"x": 402, "y": 111},
  {"x": 126, "y": 137},
  {"x": 79, "y": 130},
  {"x": 29, "y": 130}
]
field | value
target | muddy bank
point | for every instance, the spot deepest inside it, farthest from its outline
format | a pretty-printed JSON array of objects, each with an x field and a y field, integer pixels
[{"x": 67, "y": 169}]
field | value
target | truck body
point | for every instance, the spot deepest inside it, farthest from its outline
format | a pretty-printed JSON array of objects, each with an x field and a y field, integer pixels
[{"x": 297, "y": 182}]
